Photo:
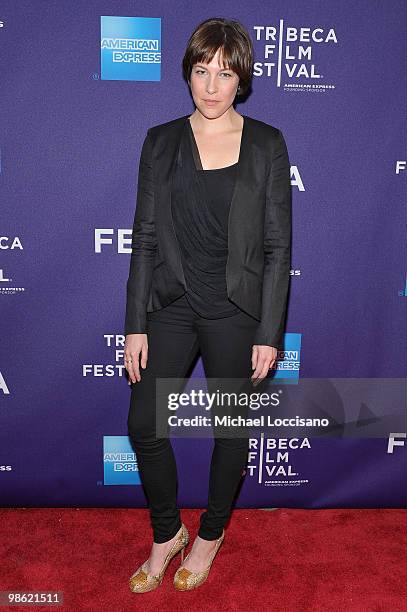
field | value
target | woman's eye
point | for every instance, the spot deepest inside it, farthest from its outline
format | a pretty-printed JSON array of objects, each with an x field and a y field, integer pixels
[{"x": 200, "y": 71}]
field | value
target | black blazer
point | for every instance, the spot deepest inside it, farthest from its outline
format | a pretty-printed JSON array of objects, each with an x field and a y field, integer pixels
[{"x": 259, "y": 236}]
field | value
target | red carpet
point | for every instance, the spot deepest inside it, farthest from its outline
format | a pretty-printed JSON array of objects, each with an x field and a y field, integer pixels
[{"x": 284, "y": 560}]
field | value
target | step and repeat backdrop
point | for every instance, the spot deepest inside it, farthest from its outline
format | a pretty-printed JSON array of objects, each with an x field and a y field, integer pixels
[{"x": 80, "y": 85}]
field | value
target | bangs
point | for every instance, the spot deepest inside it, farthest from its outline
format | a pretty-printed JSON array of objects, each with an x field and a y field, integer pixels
[{"x": 205, "y": 55}]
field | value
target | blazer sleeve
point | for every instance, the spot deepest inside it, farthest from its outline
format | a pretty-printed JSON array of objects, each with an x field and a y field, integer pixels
[
  {"x": 143, "y": 244},
  {"x": 277, "y": 249}
]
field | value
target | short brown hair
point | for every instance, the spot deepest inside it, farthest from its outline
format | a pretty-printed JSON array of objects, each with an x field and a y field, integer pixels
[{"x": 234, "y": 42}]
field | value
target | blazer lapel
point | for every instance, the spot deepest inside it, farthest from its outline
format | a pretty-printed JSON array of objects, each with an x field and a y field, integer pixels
[
  {"x": 238, "y": 212},
  {"x": 166, "y": 159}
]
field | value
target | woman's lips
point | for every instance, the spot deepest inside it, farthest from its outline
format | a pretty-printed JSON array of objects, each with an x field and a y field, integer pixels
[{"x": 211, "y": 102}]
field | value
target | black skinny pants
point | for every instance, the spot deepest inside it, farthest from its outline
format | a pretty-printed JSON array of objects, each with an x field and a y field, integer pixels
[{"x": 175, "y": 335}]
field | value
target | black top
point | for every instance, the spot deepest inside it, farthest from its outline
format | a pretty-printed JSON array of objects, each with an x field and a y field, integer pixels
[{"x": 200, "y": 201}]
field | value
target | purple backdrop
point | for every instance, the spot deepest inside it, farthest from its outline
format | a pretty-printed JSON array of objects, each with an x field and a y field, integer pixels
[{"x": 70, "y": 144}]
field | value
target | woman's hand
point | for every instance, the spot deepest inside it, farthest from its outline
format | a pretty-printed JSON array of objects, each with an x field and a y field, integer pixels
[
  {"x": 135, "y": 345},
  {"x": 263, "y": 358}
]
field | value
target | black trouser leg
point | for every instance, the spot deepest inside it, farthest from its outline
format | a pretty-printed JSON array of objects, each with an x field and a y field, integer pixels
[
  {"x": 229, "y": 458},
  {"x": 172, "y": 346},
  {"x": 226, "y": 347}
]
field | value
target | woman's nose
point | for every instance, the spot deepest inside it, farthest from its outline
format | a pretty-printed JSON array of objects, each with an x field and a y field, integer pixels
[{"x": 211, "y": 86}]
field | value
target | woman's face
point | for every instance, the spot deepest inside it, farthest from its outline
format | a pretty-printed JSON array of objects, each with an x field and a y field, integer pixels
[{"x": 213, "y": 88}]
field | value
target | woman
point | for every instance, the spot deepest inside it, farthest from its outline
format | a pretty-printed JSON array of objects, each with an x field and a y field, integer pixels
[{"x": 209, "y": 273}]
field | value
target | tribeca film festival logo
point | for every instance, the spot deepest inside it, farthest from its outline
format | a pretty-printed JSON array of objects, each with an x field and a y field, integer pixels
[
  {"x": 115, "y": 366},
  {"x": 130, "y": 48},
  {"x": 270, "y": 459},
  {"x": 289, "y": 55},
  {"x": 270, "y": 462},
  {"x": 7, "y": 285}
]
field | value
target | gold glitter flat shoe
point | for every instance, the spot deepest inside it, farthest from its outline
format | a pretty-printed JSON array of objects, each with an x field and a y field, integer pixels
[
  {"x": 142, "y": 582},
  {"x": 185, "y": 580}
]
